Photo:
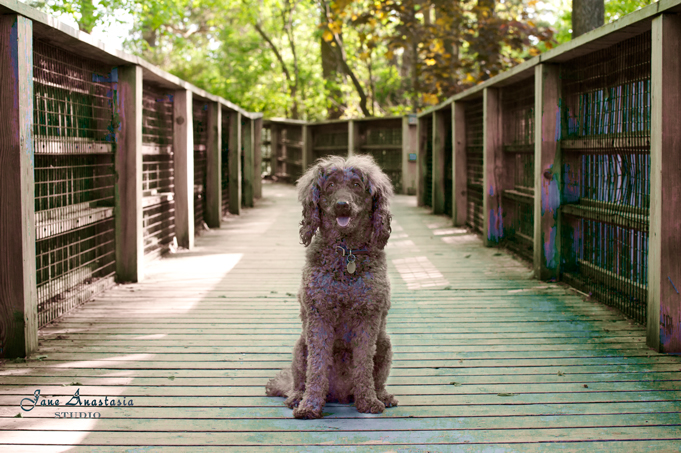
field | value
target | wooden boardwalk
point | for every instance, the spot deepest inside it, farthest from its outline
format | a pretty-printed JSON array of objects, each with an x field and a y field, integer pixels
[{"x": 485, "y": 358}]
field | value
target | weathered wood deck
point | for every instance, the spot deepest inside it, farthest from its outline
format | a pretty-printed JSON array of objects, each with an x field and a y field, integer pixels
[{"x": 485, "y": 358}]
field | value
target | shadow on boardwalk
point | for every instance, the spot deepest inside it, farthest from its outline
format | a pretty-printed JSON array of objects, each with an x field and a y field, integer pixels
[{"x": 485, "y": 358}]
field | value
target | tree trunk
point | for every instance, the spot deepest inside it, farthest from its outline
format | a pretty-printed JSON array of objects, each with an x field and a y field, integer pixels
[
  {"x": 586, "y": 15},
  {"x": 333, "y": 78}
]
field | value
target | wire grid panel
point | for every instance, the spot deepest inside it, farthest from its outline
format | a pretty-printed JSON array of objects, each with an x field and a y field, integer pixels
[
  {"x": 158, "y": 171},
  {"x": 72, "y": 104},
  {"x": 292, "y": 137},
  {"x": 517, "y": 104},
  {"x": 330, "y": 140},
  {"x": 474, "y": 163},
  {"x": 200, "y": 124},
  {"x": 428, "y": 177},
  {"x": 266, "y": 150},
  {"x": 605, "y": 138},
  {"x": 224, "y": 150},
  {"x": 385, "y": 146},
  {"x": 74, "y": 171}
]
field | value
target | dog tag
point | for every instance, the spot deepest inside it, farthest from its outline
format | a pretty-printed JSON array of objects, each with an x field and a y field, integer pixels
[{"x": 351, "y": 267}]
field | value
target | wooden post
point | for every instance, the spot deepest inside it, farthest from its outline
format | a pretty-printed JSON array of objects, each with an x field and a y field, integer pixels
[
  {"x": 307, "y": 148},
  {"x": 257, "y": 158},
  {"x": 459, "y": 172},
  {"x": 493, "y": 171},
  {"x": 276, "y": 150},
  {"x": 128, "y": 212},
  {"x": 18, "y": 294},
  {"x": 247, "y": 182},
  {"x": 353, "y": 137},
  {"x": 438, "y": 189},
  {"x": 235, "y": 163},
  {"x": 421, "y": 163},
  {"x": 547, "y": 172},
  {"x": 183, "y": 147},
  {"x": 664, "y": 246},
  {"x": 213, "y": 214}
]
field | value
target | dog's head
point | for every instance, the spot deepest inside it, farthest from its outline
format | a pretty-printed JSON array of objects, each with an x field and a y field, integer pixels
[{"x": 346, "y": 198}]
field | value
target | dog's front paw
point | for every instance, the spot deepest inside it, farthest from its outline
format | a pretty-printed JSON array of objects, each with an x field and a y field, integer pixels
[
  {"x": 293, "y": 400},
  {"x": 308, "y": 409},
  {"x": 387, "y": 399},
  {"x": 369, "y": 405}
]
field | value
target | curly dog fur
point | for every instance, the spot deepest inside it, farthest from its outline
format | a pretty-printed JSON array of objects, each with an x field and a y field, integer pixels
[{"x": 344, "y": 353}]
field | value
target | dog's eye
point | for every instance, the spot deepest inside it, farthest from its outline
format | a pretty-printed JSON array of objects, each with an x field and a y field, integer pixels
[
  {"x": 356, "y": 184},
  {"x": 331, "y": 185}
]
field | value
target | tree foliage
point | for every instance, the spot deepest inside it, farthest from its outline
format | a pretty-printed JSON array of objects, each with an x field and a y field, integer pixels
[{"x": 389, "y": 56}]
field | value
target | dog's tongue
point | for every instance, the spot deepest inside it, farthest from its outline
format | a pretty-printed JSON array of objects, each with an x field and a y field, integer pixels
[{"x": 343, "y": 221}]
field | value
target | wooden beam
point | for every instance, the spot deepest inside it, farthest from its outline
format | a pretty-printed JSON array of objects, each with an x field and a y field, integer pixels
[
  {"x": 128, "y": 213},
  {"x": 421, "y": 162},
  {"x": 459, "y": 172},
  {"x": 547, "y": 172},
  {"x": 353, "y": 137},
  {"x": 494, "y": 172},
  {"x": 18, "y": 294},
  {"x": 235, "y": 163},
  {"x": 183, "y": 147},
  {"x": 275, "y": 138},
  {"x": 247, "y": 169},
  {"x": 213, "y": 214},
  {"x": 438, "y": 180},
  {"x": 307, "y": 148},
  {"x": 664, "y": 246},
  {"x": 257, "y": 158}
]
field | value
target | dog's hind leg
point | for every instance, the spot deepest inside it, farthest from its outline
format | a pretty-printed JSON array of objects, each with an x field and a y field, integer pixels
[
  {"x": 298, "y": 370},
  {"x": 382, "y": 363}
]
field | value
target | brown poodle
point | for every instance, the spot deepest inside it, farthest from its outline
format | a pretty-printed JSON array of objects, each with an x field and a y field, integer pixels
[{"x": 344, "y": 352}]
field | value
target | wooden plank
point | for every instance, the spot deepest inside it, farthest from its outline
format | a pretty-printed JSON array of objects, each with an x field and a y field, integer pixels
[
  {"x": 18, "y": 299},
  {"x": 353, "y": 138},
  {"x": 497, "y": 171},
  {"x": 438, "y": 188},
  {"x": 247, "y": 170},
  {"x": 183, "y": 144},
  {"x": 664, "y": 247},
  {"x": 129, "y": 204},
  {"x": 235, "y": 138},
  {"x": 547, "y": 175},
  {"x": 422, "y": 164},
  {"x": 213, "y": 214},
  {"x": 257, "y": 158},
  {"x": 459, "y": 174}
]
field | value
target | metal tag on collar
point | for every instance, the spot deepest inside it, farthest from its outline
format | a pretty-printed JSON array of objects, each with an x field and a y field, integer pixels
[{"x": 351, "y": 263}]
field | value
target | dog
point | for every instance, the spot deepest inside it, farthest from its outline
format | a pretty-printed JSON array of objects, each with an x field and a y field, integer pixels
[{"x": 344, "y": 352}]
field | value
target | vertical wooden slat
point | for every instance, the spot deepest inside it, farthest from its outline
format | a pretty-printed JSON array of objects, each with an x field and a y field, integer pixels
[
  {"x": 247, "y": 183},
  {"x": 18, "y": 294},
  {"x": 547, "y": 172},
  {"x": 664, "y": 248},
  {"x": 459, "y": 173},
  {"x": 183, "y": 146},
  {"x": 128, "y": 212},
  {"x": 257, "y": 158},
  {"x": 438, "y": 182},
  {"x": 275, "y": 138},
  {"x": 307, "y": 148},
  {"x": 235, "y": 163},
  {"x": 493, "y": 171},
  {"x": 213, "y": 214}
]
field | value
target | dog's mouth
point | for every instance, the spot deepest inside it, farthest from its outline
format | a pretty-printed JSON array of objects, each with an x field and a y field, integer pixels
[{"x": 343, "y": 221}]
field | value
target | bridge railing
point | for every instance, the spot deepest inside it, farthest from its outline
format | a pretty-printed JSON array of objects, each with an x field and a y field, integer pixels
[
  {"x": 106, "y": 162},
  {"x": 573, "y": 159}
]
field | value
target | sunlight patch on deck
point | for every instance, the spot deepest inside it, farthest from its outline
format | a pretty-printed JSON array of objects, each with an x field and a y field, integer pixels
[
  {"x": 468, "y": 238},
  {"x": 419, "y": 273},
  {"x": 448, "y": 231}
]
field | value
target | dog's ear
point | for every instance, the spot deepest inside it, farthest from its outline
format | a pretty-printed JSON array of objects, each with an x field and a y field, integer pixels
[
  {"x": 309, "y": 195},
  {"x": 381, "y": 190}
]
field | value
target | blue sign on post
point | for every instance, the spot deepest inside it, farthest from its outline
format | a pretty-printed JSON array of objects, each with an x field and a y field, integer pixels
[{"x": 412, "y": 157}]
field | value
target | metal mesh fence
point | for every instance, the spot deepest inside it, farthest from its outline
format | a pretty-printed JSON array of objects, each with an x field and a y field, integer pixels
[
  {"x": 605, "y": 140},
  {"x": 74, "y": 174},
  {"x": 266, "y": 151},
  {"x": 427, "y": 123},
  {"x": 385, "y": 145},
  {"x": 200, "y": 125},
  {"x": 518, "y": 122},
  {"x": 330, "y": 140},
  {"x": 292, "y": 141},
  {"x": 158, "y": 170},
  {"x": 224, "y": 149},
  {"x": 474, "y": 163}
]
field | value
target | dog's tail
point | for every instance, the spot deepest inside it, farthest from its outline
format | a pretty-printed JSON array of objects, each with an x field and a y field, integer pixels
[{"x": 281, "y": 384}]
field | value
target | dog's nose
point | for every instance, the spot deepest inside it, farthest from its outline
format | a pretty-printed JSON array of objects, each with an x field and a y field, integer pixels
[{"x": 341, "y": 204}]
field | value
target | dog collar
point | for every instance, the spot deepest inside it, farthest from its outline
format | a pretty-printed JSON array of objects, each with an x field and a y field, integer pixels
[{"x": 350, "y": 256}]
